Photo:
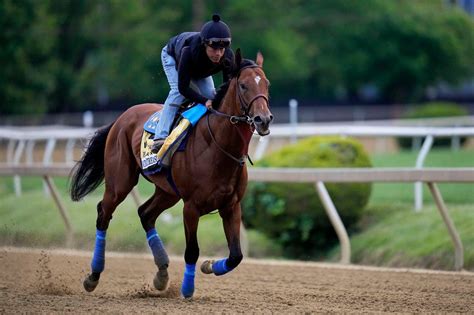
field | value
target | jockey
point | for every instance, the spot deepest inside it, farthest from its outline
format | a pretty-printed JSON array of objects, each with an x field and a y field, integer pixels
[{"x": 189, "y": 60}]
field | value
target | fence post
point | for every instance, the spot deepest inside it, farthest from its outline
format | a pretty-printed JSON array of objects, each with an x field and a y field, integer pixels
[
  {"x": 262, "y": 145},
  {"x": 336, "y": 222},
  {"x": 293, "y": 119},
  {"x": 62, "y": 210},
  {"x": 16, "y": 161},
  {"x": 458, "y": 248},
  {"x": 69, "y": 151},
  {"x": 48, "y": 156},
  {"x": 420, "y": 160}
]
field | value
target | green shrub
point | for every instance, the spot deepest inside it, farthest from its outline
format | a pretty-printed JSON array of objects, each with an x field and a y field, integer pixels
[
  {"x": 434, "y": 110},
  {"x": 291, "y": 213}
]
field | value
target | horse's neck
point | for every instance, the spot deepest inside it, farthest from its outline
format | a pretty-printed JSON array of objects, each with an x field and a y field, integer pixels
[{"x": 230, "y": 104}]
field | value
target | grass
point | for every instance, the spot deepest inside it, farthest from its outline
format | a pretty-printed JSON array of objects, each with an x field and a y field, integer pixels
[
  {"x": 39, "y": 223},
  {"x": 393, "y": 236},
  {"x": 460, "y": 193},
  {"x": 390, "y": 234}
]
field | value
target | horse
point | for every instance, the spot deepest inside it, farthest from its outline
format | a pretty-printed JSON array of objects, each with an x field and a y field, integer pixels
[{"x": 210, "y": 174}]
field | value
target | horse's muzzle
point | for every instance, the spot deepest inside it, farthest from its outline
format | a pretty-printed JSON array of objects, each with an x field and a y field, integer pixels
[{"x": 262, "y": 124}]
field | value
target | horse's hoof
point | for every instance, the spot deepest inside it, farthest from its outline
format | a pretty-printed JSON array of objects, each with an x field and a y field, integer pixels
[
  {"x": 206, "y": 266},
  {"x": 90, "y": 284},
  {"x": 187, "y": 298},
  {"x": 187, "y": 289},
  {"x": 161, "y": 280}
]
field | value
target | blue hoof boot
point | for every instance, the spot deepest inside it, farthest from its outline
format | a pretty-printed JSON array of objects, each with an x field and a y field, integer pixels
[
  {"x": 187, "y": 291},
  {"x": 187, "y": 288}
]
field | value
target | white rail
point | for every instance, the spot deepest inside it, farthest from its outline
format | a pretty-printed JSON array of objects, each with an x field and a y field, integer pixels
[
  {"x": 369, "y": 130},
  {"x": 21, "y": 137},
  {"x": 429, "y": 176}
]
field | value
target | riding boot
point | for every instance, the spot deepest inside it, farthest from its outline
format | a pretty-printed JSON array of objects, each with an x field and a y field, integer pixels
[{"x": 157, "y": 144}]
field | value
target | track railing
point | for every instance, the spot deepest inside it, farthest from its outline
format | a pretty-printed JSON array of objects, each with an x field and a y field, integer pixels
[
  {"x": 21, "y": 141},
  {"x": 430, "y": 176}
]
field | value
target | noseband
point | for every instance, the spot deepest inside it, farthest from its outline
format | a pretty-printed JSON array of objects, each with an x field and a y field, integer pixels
[{"x": 245, "y": 107}]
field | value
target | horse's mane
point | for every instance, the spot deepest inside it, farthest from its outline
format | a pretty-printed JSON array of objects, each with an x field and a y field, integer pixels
[{"x": 222, "y": 90}]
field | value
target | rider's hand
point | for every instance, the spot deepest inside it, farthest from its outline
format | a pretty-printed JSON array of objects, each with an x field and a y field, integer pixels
[{"x": 209, "y": 104}]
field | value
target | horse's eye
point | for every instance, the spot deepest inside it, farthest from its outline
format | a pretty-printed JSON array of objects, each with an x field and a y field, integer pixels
[{"x": 243, "y": 86}]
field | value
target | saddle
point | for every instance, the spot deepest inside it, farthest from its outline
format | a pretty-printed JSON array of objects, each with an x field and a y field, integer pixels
[{"x": 187, "y": 117}]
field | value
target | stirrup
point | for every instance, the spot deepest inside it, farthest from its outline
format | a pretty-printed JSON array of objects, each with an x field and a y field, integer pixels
[{"x": 157, "y": 144}]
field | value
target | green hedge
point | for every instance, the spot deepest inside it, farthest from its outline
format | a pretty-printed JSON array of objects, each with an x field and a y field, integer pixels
[
  {"x": 292, "y": 214},
  {"x": 434, "y": 110}
]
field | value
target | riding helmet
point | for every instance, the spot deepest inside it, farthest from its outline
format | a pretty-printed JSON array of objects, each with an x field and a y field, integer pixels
[{"x": 216, "y": 33}]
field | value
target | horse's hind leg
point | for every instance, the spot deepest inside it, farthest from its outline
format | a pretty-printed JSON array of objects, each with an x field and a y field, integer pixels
[
  {"x": 116, "y": 190},
  {"x": 148, "y": 213}
]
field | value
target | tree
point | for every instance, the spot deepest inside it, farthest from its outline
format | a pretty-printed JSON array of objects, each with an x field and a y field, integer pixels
[
  {"x": 74, "y": 55},
  {"x": 332, "y": 49},
  {"x": 123, "y": 64},
  {"x": 26, "y": 71},
  {"x": 400, "y": 47}
]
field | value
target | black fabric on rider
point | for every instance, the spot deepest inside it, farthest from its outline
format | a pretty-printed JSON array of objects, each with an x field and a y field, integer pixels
[
  {"x": 216, "y": 33},
  {"x": 199, "y": 66}
]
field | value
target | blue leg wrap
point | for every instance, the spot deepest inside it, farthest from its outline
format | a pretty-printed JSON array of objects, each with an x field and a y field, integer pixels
[
  {"x": 187, "y": 288},
  {"x": 157, "y": 248},
  {"x": 220, "y": 267},
  {"x": 98, "y": 261}
]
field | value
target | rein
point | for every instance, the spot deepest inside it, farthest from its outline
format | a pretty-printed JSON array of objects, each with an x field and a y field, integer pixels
[
  {"x": 240, "y": 160},
  {"x": 245, "y": 107},
  {"x": 232, "y": 118}
]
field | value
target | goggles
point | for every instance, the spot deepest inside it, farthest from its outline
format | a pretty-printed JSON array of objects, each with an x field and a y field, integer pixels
[{"x": 218, "y": 42}]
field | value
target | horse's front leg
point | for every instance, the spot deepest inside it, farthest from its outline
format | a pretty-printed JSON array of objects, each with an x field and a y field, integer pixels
[
  {"x": 231, "y": 217},
  {"x": 191, "y": 254}
]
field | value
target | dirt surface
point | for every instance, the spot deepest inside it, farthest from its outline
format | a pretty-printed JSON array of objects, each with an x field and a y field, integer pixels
[{"x": 50, "y": 281}]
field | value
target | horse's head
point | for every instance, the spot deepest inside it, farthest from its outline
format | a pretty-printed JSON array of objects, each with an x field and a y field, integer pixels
[{"x": 252, "y": 92}]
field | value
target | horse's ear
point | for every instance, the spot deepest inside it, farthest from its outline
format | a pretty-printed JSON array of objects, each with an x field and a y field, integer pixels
[
  {"x": 259, "y": 60},
  {"x": 238, "y": 58}
]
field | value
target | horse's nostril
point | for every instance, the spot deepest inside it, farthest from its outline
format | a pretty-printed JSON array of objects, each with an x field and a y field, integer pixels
[
  {"x": 271, "y": 118},
  {"x": 257, "y": 119}
]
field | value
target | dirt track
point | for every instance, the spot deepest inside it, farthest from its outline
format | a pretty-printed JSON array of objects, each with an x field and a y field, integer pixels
[{"x": 33, "y": 281}]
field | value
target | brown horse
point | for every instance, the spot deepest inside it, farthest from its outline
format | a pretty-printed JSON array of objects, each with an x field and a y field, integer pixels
[{"x": 210, "y": 174}]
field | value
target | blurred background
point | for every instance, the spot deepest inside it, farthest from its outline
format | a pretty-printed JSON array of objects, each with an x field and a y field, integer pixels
[
  {"x": 366, "y": 59},
  {"x": 70, "y": 66}
]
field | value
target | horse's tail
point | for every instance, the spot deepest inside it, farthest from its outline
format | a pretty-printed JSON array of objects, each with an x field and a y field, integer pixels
[{"x": 89, "y": 171}]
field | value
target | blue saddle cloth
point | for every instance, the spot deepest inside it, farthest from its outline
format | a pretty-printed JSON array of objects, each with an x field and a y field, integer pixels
[
  {"x": 153, "y": 163},
  {"x": 150, "y": 125}
]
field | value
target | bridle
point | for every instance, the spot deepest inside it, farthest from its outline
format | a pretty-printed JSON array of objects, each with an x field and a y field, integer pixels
[
  {"x": 244, "y": 105},
  {"x": 244, "y": 117}
]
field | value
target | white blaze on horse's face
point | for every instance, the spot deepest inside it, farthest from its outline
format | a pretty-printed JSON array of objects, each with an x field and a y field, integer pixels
[{"x": 257, "y": 79}]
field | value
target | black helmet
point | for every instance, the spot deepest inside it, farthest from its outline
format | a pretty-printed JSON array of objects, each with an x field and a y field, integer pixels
[{"x": 216, "y": 33}]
